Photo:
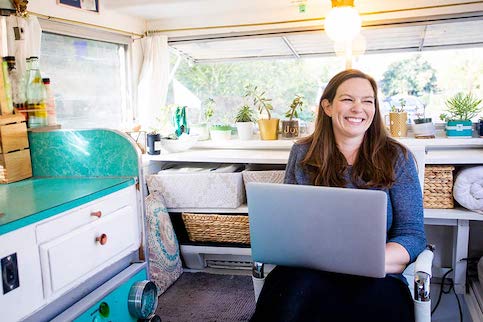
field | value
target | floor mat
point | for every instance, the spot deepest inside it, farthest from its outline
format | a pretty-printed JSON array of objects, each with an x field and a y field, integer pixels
[{"x": 208, "y": 297}]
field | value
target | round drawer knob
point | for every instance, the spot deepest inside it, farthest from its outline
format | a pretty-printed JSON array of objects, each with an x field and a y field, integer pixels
[
  {"x": 102, "y": 239},
  {"x": 97, "y": 214}
]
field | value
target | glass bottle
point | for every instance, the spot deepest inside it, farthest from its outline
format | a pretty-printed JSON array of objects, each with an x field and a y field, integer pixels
[
  {"x": 50, "y": 103},
  {"x": 17, "y": 83},
  {"x": 7, "y": 85},
  {"x": 36, "y": 95}
]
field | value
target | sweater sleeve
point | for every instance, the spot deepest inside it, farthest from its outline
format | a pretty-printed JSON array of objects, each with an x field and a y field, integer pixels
[
  {"x": 407, "y": 208},
  {"x": 291, "y": 165}
]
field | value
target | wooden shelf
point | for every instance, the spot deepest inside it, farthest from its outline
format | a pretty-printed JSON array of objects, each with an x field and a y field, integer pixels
[{"x": 46, "y": 128}]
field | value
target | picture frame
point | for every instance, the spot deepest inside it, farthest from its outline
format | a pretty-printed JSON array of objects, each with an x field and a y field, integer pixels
[{"x": 86, "y": 5}]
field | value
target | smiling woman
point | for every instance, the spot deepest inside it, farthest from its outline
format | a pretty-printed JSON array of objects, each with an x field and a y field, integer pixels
[{"x": 350, "y": 149}]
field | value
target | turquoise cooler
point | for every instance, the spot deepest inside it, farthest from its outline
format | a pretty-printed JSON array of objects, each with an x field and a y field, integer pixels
[{"x": 459, "y": 129}]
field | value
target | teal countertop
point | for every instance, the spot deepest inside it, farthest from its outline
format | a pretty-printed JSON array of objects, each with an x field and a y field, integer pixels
[{"x": 25, "y": 202}]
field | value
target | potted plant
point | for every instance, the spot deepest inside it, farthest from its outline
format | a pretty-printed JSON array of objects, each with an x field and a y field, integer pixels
[
  {"x": 423, "y": 126},
  {"x": 202, "y": 127},
  {"x": 290, "y": 127},
  {"x": 244, "y": 122},
  {"x": 398, "y": 118},
  {"x": 461, "y": 109},
  {"x": 219, "y": 132},
  {"x": 268, "y": 126}
]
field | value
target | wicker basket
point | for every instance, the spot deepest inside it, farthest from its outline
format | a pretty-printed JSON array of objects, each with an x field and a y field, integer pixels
[
  {"x": 272, "y": 176},
  {"x": 217, "y": 228},
  {"x": 438, "y": 186}
]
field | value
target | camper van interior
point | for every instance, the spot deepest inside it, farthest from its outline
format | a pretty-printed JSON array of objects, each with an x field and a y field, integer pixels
[{"x": 131, "y": 131}]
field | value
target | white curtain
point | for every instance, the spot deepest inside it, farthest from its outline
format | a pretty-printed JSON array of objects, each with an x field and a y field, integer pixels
[
  {"x": 23, "y": 39},
  {"x": 153, "y": 80}
]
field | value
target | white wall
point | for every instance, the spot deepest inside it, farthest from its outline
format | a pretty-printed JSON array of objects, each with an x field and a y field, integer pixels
[{"x": 105, "y": 17}]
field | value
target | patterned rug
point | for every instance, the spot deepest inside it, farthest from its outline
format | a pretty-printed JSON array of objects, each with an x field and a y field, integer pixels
[{"x": 208, "y": 297}]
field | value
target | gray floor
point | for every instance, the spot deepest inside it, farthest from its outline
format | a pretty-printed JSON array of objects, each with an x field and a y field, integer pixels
[
  {"x": 221, "y": 297},
  {"x": 447, "y": 310}
]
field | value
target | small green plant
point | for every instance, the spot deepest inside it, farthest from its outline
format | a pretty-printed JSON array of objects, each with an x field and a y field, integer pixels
[
  {"x": 259, "y": 100},
  {"x": 245, "y": 114},
  {"x": 400, "y": 109},
  {"x": 209, "y": 109},
  {"x": 461, "y": 107},
  {"x": 296, "y": 105}
]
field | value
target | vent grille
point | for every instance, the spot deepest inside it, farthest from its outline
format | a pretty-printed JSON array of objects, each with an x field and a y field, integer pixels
[{"x": 228, "y": 264}]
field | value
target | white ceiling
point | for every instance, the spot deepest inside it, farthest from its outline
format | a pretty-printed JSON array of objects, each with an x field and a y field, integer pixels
[{"x": 172, "y": 14}]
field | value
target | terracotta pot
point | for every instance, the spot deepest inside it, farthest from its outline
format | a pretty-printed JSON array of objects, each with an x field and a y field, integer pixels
[
  {"x": 398, "y": 124},
  {"x": 290, "y": 129},
  {"x": 268, "y": 129}
]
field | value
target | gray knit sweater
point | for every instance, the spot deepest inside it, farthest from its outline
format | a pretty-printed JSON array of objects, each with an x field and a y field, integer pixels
[{"x": 405, "y": 221}]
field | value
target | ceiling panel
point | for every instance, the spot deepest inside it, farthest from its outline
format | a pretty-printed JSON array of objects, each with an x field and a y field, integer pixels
[
  {"x": 236, "y": 48},
  {"x": 458, "y": 33},
  {"x": 409, "y": 37}
]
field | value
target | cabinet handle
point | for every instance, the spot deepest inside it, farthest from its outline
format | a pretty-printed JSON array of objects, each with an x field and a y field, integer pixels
[
  {"x": 102, "y": 239},
  {"x": 97, "y": 214}
]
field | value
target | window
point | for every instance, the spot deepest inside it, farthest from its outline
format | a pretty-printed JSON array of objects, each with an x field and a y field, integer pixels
[
  {"x": 88, "y": 80},
  {"x": 427, "y": 62}
]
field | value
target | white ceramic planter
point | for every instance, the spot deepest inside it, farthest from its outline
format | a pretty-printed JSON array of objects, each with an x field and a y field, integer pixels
[
  {"x": 220, "y": 135},
  {"x": 245, "y": 130},
  {"x": 201, "y": 130}
]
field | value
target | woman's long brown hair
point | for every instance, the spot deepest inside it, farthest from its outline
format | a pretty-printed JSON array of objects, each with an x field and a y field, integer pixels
[{"x": 375, "y": 161}]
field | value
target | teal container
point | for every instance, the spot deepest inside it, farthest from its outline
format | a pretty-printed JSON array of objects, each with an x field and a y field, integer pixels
[
  {"x": 114, "y": 307},
  {"x": 459, "y": 129}
]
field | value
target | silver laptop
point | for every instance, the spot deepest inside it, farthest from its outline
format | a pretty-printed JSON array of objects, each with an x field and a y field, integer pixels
[{"x": 332, "y": 229}]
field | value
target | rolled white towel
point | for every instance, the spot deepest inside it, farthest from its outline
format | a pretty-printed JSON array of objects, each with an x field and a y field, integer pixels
[{"x": 468, "y": 188}]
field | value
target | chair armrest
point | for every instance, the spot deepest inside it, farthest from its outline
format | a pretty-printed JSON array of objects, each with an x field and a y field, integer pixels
[
  {"x": 424, "y": 262},
  {"x": 258, "y": 277},
  {"x": 422, "y": 276}
]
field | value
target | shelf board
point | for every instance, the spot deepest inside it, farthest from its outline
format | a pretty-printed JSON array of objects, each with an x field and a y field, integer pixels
[
  {"x": 243, "y": 209},
  {"x": 225, "y": 156},
  {"x": 46, "y": 128},
  {"x": 455, "y": 213}
]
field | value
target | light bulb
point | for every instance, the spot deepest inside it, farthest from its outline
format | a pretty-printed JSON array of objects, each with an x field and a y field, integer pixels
[{"x": 343, "y": 23}]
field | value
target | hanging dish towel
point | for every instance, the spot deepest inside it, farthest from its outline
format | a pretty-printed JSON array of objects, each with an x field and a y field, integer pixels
[
  {"x": 164, "y": 260},
  {"x": 468, "y": 188}
]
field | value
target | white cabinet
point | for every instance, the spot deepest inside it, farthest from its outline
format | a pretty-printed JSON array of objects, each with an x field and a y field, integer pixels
[
  {"x": 58, "y": 254},
  {"x": 93, "y": 211},
  {"x": 75, "y": 256},
  {"x": 28, "y": 295}
]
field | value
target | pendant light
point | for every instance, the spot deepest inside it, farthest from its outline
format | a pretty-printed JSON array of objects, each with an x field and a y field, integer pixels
[{"x": 343, "y": 22}]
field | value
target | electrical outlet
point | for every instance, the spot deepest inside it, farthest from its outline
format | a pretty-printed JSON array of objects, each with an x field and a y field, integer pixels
[{"x": 10, "y": 280}]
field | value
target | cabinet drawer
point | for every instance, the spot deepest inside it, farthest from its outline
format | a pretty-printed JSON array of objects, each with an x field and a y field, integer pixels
[
  {"x": 70, "y": 220},
  {"x": 77, "y": 255}
]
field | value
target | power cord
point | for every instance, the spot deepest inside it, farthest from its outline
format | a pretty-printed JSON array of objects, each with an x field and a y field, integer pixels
[{"x": 442, "y": 290}]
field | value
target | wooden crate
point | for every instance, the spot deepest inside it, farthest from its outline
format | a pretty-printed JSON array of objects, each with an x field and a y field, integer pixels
[{"x": 15, "y": 163}]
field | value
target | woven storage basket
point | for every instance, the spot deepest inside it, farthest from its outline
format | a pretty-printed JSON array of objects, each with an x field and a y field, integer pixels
[
  {"x": 438, "y": 186},
  {"x": 272, "y": 176},
  {"x": 217, "y": 228}
]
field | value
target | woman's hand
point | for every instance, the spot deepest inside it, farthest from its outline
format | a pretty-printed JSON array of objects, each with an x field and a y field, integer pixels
[{"x": 397, "y": 257}]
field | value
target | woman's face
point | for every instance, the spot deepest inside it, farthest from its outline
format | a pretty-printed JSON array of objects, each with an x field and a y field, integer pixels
[{"x": 352, "y": 109}]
